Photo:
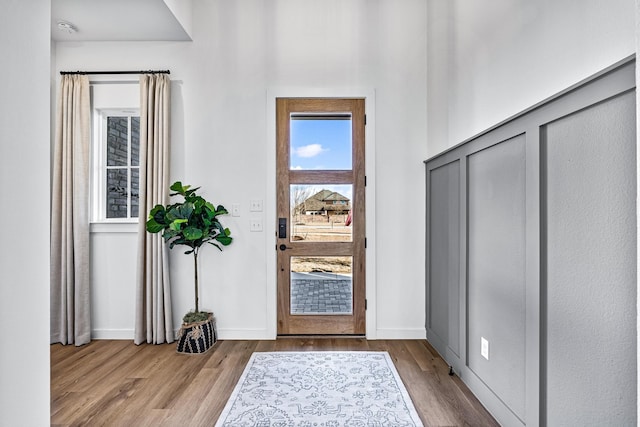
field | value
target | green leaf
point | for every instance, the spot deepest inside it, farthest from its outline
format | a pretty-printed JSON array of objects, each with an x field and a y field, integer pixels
[
  {"x": 186, "y": 210},
  {"x": 192, "y": 233},
  {"x": 182, "y": 211},
  {"x": 173, "y": 213},
  {"x": 190, "y": 193},
  {"x": 221, "y": 210},
  {"x": 157, "y": 212},
  {"x": 153, "y": 226},
  {"x": 198, "y": 203},
  {"x": 176, "y": 224},
  {"x": 224, "y": 240},
  {"x": 178, "y": 188}
]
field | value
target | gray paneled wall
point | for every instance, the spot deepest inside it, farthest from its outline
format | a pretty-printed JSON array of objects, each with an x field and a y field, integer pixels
[
  {"x": 591, "y": 265},
  {"x": 531, "y": 245}
]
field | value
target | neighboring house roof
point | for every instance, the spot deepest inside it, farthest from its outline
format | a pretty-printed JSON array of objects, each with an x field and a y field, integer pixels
[
  {"x": 312, "y": 205},
  {"x": 327, "y": 196},
  {"x": 335, "y": 197},
  {"x": 323, "y": 200}
]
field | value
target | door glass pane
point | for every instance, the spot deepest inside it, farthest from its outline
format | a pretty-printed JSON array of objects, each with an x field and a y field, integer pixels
[
  {"x": 321, "y": 213},
  {"x": 320, "y": 142},
  {"x": 321, "y": 285}
]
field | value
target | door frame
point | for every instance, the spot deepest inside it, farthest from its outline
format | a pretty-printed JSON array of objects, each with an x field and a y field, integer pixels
[{"x": 270, "y": 199}]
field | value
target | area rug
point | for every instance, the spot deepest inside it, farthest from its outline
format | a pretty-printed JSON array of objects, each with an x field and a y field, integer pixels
[{"x": 319, "y": 389}]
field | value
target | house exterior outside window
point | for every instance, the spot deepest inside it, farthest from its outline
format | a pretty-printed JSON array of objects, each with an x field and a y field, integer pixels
[{"x": 117, "y": 166}]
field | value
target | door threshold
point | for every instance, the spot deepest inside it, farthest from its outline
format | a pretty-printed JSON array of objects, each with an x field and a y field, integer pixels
[{"x": 325, "y": 336}]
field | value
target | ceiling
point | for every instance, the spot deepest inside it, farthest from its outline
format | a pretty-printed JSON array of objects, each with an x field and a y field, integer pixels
[{"x": 116, "y": 20}]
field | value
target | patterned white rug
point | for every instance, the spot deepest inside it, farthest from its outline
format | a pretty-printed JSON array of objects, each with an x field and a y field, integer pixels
[{"x": 319, "y": 389}]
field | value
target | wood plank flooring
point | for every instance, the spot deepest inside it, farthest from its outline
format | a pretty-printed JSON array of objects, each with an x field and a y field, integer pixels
[{"x": 116, "y": 383}]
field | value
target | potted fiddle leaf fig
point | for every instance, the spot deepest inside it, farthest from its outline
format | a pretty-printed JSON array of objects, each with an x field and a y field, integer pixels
[{"x": 193, "y": 223}]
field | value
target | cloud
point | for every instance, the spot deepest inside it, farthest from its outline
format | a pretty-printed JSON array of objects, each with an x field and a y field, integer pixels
[{"x": 310, "y": 150}]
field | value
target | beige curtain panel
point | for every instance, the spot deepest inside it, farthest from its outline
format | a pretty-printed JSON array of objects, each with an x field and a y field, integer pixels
[
  {"x": 70, "y": 296},
  {"x": 154, "y": 322}
]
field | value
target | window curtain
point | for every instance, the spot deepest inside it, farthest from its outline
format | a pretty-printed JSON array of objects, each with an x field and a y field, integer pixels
[
  {"x": 70, "y": 320},
  {"x": 154, "y": 322}
]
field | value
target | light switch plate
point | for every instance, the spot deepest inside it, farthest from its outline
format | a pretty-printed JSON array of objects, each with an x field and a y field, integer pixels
[
  {"x": 255, "y": 225},
  {"x": 255, "y": 205}
]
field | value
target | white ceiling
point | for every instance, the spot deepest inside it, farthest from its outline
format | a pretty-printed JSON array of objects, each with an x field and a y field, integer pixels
[{"x": 116, "y": 20}]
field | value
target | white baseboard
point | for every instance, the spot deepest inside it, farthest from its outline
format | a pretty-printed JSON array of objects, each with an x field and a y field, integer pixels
[
  {"x": 112, "y": 334},
  {"x": 401, "y": 334},
  {"x": 244, "y": 334}
]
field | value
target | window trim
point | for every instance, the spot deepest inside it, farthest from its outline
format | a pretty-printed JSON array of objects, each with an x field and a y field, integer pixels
[{"x": 99, "y": 165}]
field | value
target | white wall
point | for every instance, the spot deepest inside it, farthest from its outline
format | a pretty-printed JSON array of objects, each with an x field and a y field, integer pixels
[
  {"x": 491, "y": 60},
  {"x": 24, "y": 174},
  {"x": 241, "y": 51}
]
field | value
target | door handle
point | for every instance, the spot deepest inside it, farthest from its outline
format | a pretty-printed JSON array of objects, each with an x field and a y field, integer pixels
[
  {"x": 282, "y": 228},
  {"x": 284, "y": 247}
]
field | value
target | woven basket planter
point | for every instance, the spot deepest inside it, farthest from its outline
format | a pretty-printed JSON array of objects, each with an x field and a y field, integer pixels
[{"x": 198, "y": 337}]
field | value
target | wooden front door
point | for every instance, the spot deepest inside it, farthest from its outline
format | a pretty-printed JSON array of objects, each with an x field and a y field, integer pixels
[{"x": 321, "y": 216}]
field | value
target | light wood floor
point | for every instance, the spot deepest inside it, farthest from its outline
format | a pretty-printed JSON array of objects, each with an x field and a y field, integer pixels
[{"x": 117, "y": 383}]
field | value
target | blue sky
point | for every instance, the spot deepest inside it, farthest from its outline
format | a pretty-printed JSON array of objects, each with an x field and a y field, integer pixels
[{"x": 320, "y": 144}]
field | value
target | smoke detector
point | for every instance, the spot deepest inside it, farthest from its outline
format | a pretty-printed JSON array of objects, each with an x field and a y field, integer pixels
[{"x": 67, "y": 26}]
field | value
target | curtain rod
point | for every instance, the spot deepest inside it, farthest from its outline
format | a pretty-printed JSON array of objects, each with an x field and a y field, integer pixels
[{"x": 117, "y": 72}]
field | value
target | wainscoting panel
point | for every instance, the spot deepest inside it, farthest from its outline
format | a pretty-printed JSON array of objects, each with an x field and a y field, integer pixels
[
  {"x": 443, "y": 299},
  {"x": 496, "y": 273},
  {"x": 531, "y": 225},
  {"x": 590, "y": 259}
]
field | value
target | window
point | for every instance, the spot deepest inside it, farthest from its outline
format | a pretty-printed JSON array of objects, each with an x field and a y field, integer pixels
[{"x": 117, "y": 166}]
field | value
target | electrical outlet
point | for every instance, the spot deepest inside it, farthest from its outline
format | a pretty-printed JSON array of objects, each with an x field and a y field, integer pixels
[
  {"x": 235, "y": 209},
  {"x": 255, "y": 225},
  {"x": 484, "y": 348},
  {"x": 255, "y": 205}
]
